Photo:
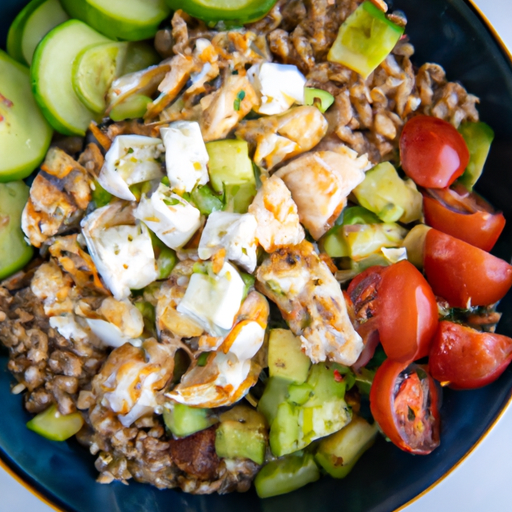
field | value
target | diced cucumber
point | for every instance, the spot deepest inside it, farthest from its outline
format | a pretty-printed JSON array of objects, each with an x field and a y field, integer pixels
[
  {"x": 206, "y": 200},
  {"x": 321, "y": 98},
  {"x": 285, "y": 357},
  {"x": 414, "y": 243},
  {"x": 24, "y": 133},
  {"x": 15, "y": 253},
  {"x": 34, "y": 21},
  {"x": 275, "y": 393},
  {"x": 131, "y": 20},
  {"x": 232, "y": 173},
  {"x": 478, "y": 137},
  {"x": 389, "y": 196},
  {"x": 52, "y": 71},
  {"x": 365, "y": 39},
  {"x": 55, "y": 426},
  {"x": 339, "y": 452},
  {"x": 286, "y": 474},
  {"x": 242, "y": 433},
  {"x": 183, "y": 420},
  {"x": 97, "y": 66},
  {"x": 133, "y": 107}
]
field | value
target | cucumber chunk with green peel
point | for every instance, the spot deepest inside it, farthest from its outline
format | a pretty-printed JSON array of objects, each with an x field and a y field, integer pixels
[
  {"x": 285, "y": 357},
  {"x": 130, "y": 20},
  {"x": 339, "y": 452},
  {"x": 238, "y": 12},
  {"x": 25, "y": 135},
  {"x": 31, "y": 25},
  {"x": 183, "y": 420},
  {"x": 97, "y": 66},
  {"x": 286, "y": 474},
  {"x": 365, "y": 39},
  {"x": 55, "y": 426},
  {"x": 52, "y": 76},
  {"x": 478, "y": 138},
  {"x": 242, "y": 433},
  {"x": 15, "y": 253},
  {"x": 322, "y": 99}
]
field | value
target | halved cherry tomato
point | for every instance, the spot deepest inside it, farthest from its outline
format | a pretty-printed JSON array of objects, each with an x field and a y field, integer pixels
[
  {"x": 433, "y": 153},
  {"x": 462, "y": 274},
  {"x": 466, "y": 358},
  {"x": 404, "y": 402},
  {"x": 399, "y": 303},
  {"x": 464, "y": 215}
]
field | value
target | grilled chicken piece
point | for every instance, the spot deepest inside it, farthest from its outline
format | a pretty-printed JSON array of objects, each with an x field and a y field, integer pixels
[
  {"x": 311, "y": 301},
  {"x": 320, "y": 183},
  {"x": 280, "y": 137},
  {"x": 276, "y": 216}
]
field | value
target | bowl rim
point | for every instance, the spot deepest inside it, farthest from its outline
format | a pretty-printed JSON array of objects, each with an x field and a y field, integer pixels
[{"x": 49, "y": 499}]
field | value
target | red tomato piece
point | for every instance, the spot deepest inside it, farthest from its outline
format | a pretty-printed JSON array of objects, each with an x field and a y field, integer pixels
[
  {"x": 462, "y": 274},
  {"x": 464, "y": 215},
  {"x": 407, "y": 312},
  {"x": 433, "y": 153},
  {"x": 466, "y": 358},
  {"x": 404, "y": 402}
]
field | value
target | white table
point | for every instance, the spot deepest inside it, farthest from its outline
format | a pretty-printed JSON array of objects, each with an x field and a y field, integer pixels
[{"x": 482, "y": 483}]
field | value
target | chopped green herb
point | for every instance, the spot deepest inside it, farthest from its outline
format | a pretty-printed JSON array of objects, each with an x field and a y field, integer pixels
[
  {"x": 203, "y": 359},
  {"x": 130, "y": 151},
  {"x": 165, "y": 181},
  {"x": 240, "y": 96},
  {"x": 171, "y": 202}
]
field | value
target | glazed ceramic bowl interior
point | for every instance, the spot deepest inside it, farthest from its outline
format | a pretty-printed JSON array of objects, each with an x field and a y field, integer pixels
[{"x": 448, "y": 32}]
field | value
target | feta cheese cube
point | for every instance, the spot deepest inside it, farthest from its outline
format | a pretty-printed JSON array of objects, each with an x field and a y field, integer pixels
[
  {"x": 234, "y": 232},
  {"x": 279, "y": 85},
  {"x": 185, "y": 155},
  {"x": 213, "y": 300},
  {"x": 169, "y": 216},
  {"x": 131, "y": 159}
]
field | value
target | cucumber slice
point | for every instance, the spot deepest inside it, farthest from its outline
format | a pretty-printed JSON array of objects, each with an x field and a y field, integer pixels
[
  {"x": 15, "y": 253},
  {"x": 133, "y": 107},
  {"x": 31, "y": 25},
  {"x": 24, "y": 133},
  {"x": 131, "y": 20},
  {"x": 54, "y": 426},
  {"x": 97, "y": 66},
  {"x": 52, "y": 76}
]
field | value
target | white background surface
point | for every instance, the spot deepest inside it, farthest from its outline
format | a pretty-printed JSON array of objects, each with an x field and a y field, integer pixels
[{"x": 484, "y": 480}]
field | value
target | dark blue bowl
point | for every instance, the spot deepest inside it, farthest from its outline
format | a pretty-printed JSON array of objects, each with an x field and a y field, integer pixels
[{"x": 449, "y": 32}]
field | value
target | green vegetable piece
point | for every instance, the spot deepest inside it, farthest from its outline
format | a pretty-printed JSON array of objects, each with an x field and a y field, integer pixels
[
  {"x": 322, "y": 99},
  {"x": 134, "y": 107},
  {"x": 51, "y": 73},
  {"x": 285, "y": 357},
  {"x": 15, "y": 253},
  {"x": 100, "y": 196},
  {"x": 139, "y": 55},
  {"x": 299, "y": 394},
  {"x": 165, "y": 262},
  {"x": 365, "y": 39},
  {"x": 478, "y": 137},
  {"x": 55, "y": 426},
  {"x": 242, "y": 433},
  {"x": 369, "y": 239},
  {"x": 33, "y": 22},
  {"x": 206, "y": 200},
  {"x": 129, "y": 20},
  {"x": 286, "y": 475},
  {"x": 275, "y": 393},
  {"x": 388, "y": 196},
  {"x": 414, "y": 243},
  {"x": 364, "y": 379},
  {"x": 20, "y": 121},
  {"x": 232, "y": 173},
  {"x": 339, "y": 452},
  {"x": 359, "y": 215},
  {"x": 236, "y": 13},
  {"x": 324, "y": 412},
  {"x": 183, "y": 420}
]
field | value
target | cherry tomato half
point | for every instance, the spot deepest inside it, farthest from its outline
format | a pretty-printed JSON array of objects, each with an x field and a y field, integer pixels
[
  {"x": 464, "y": 215},
  {"x": 404, "y": 402},
  {"x": 433, "y": 153},
  {"x": 399, "y": 303},
  {"x": 462, "y": 274},
  {"x": 467, "y": 358}
]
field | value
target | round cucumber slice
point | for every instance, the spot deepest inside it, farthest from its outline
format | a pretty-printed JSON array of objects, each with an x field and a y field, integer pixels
[
  {"x": 52, "y": 76},
  {"x": 15, "y": 253},
  {"x": 31, "y": 25},
  {"x": 131, "y": 20},
  {"x": 235, "y": 11},
  {"x": 24, "y": 133},
  {"x": 97, "y": 66}
]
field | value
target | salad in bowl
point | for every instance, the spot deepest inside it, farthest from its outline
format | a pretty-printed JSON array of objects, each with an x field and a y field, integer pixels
[{"x": 252, "y": 246}]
